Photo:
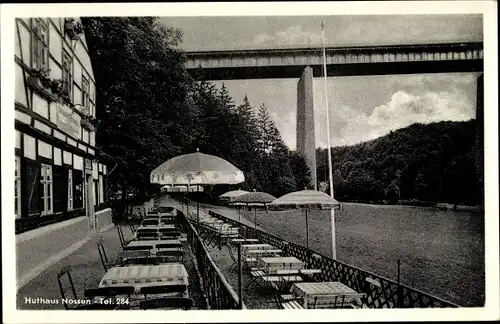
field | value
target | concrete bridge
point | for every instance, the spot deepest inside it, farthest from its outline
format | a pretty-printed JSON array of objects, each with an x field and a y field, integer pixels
[{"x": 306, "y": 63}]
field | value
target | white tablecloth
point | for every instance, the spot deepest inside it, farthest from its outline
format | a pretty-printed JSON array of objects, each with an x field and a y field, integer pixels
[
  {"x": 147, "y": 275},
  {"x": 153, "y": 243},
  {"x": 272, "y": 264},
  {"x": 326, "y": 292}
]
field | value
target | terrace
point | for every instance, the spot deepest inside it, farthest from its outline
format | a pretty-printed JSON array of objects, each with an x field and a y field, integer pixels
[{"x": 210, "y": 255}]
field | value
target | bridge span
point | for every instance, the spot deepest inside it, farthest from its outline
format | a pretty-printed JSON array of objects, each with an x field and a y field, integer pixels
[{"x": 305, "y": 63}]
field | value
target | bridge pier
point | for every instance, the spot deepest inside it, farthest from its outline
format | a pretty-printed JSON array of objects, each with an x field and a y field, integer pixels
[
  {"x": 306, "y": 134},
  {"x": 480, "y": 133}
]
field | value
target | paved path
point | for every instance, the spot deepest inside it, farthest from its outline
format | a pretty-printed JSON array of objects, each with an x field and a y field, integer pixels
[{"x": 244, "y": 217}]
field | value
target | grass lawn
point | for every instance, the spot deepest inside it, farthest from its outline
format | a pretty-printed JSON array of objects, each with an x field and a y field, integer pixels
[{"x": 441, "y": 252}]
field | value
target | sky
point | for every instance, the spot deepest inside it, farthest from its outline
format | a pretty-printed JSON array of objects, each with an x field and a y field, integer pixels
[{"x": 363, "y": 107}]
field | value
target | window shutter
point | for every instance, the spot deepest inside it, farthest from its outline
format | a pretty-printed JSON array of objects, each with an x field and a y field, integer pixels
[
  {"x": 33, "y": 188},
  {"x": 60, "y": 183}
]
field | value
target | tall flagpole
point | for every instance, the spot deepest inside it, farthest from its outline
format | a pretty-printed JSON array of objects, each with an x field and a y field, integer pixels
[{"x": 330, "y": 173}]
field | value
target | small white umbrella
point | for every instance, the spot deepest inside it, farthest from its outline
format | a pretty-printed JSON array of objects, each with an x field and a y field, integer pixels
[
  {"x": 232, "y": 194},
  {"x": 307, "y": 200},
  {"x": 254, "y": 199}
]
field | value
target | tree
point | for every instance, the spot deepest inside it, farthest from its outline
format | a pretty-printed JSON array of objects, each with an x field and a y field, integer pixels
[
  {"x": 300, "y": 171},
  {"x": 420, "y": 162},
  {"x": 142, "y": 96}
]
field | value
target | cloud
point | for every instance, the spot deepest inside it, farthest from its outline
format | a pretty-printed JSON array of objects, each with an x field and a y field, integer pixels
[
  {"x": 402, "y": 110},
  {"x": 290, "y": 36}
]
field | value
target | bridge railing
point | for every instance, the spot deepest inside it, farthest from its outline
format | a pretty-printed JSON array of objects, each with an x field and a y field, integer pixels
[
  {"x": 219, "y": 293},
  {"x": 381, "y": 292}
]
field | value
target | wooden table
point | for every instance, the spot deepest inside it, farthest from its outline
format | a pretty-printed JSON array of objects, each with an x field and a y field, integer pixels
[
  {"x": 242, "y": 240},
  {"x": 157, "y": 227},
  {"x": 150, "y": 222},
  {"x": 161, "y": 216},
  {"x": 153, "y": 243},
  {"x": 145, "y": 276},
  {"x": 260, "y": 246},
  {"x": 208, "y": 220},
  {"x": 170, "y": 214},
  {"x": 272, "y": 264},
  {"x": 261, "y": 252},
  {"x": 233, "y": 232},
  {"x": 327, "y": 293}
]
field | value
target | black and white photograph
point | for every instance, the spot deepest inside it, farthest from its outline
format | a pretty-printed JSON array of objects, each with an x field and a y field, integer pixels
[{"x": 283, "y": 160}]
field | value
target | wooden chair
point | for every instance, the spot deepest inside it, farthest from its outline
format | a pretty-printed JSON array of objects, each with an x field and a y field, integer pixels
[
  {"x": 109, "y": 291},
  {"x": 169, "y": 235},
  {"x": 233, "y": 255},
  {"x": 65, "y": 275},
  {"x": 153, "y": 214},
  {"x": 123, "y": 242},
  {"x": 144, "y": 261},
  {"x": 150, "y": 222},
  {"x": 148, "y": 230},
  {"x": 339, "y": 302},
  {"x": 169, "y": 246},
  {"x": 138, "y": 257},
  {"x": 167, "y": 220},
  {"x": 173, "y": 231},
  {"x": 258, "y": 276},
  {"x": 167, "y": 302},
  {"x": 106, "y": 264},
  {"x": 292, "y": 304},
  {"x": 131, "y": 225},
  {"x": 146, "y": 235},
  {"x": 371, "y": 288},
  {"x": 152, "y": 290},
  {"x": 286, "y": 301},
  {"x": 102, "y": 306},
  {"x": 165, "y": 209},
  {"x": 138, "y": 248}
]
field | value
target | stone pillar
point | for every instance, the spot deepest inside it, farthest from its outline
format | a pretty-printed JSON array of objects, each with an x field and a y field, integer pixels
[
  {"x": 306, "y": 141},
  {"x": 480, "y": 133}
]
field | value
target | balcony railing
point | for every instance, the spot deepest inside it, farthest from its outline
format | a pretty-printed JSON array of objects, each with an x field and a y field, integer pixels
[
  {"x": 381, "y": 292},
  {"x": 219, "y": 293}
]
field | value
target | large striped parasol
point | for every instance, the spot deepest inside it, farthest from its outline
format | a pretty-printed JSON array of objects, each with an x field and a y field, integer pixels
[
  {"x": 196, "y": 169},
  {"x": 182, "y": 188}
]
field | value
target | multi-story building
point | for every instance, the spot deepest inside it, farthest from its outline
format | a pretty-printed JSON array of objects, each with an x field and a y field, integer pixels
[{"x": 60, "y": 174}]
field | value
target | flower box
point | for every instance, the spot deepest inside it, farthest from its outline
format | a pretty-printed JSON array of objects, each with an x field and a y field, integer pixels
[
  {"x": 35, "y": 83},
  {"x": 73, "y": 28},
  {"x": 88, "y": 123}
]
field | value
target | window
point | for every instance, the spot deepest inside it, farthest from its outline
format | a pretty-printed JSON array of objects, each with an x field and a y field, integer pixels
[
  {"x": 17, "y": 188},
  {"x": 86, "y": 94},
  {"x": 39, "y": 45},
  {"x": 70, "y": 190},
  {"x": 67, "y": 73},
  {"x": 47, "y": 190}
]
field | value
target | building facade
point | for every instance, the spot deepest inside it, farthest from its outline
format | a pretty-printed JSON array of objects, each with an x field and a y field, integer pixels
[{"x": 60, "y": 174}]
